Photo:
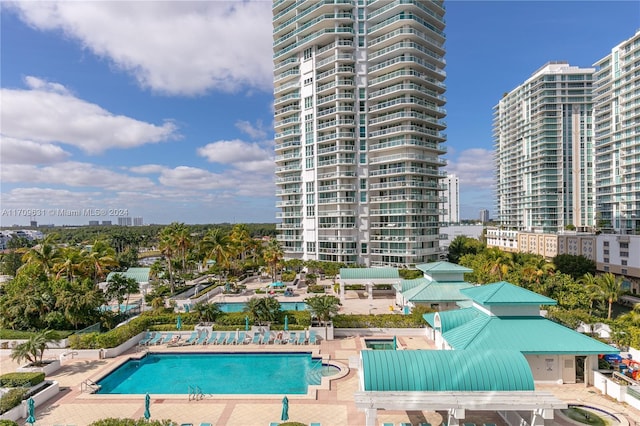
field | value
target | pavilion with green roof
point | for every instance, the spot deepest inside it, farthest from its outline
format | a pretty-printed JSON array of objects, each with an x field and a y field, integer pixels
[
  {"x": 506, "y": 316},
  {"x": 439, "y": 288},
  {"x": 367, "y": 277},
  {"x": 451, "y": 382}
]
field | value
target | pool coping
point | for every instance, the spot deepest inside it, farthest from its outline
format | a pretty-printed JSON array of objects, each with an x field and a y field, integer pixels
[{"x": 312, "y": 390}]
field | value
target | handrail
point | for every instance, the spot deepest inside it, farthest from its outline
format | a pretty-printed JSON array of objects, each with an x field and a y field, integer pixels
[
  {"x": 195, "y": 393},
  {"x": 89, "y": 386}
]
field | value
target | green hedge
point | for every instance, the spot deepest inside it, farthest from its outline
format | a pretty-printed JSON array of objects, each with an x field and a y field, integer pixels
[
  {"x": 315, "y": 289},
  {"x": 14, "y": 380},
  {"x": 8, "y": 423},
  {"x": 378, "y": 321},
  {"x": 24, "y": 335},
  {"x": 12, "y": 398}
]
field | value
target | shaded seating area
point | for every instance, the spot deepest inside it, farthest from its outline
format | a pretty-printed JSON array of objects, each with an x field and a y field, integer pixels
[{"x": 451, "y": 382}]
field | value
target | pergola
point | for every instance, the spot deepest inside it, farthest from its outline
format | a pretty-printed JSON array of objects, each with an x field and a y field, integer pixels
[{"x": 454, "y": 382}]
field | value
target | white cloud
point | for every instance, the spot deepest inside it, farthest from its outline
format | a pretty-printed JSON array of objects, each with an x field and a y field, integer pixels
[
  {"x": 148, "y": 169},
  {"x": 17, "y": 151},
  {"x": 188, "y": 48},
  {"x": 33, "y": 197},
  {"x": 234, "y": 151},
  {"x": 74, "y": 174},
  {"x": 256, "y": 131},
  {"x": 46, "y": 116},
  {"x": 475, "y": 167}
]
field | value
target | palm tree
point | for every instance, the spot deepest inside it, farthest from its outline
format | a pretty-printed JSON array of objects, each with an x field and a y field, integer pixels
[
  {"x": 611, "y": 288},
  {"x": 79, "y": 301},
  {"x": 33, "y": 349},
  {"x": 500, "y": 262},
  {"x": 120, "y": 287},
  {"x": 167, "y": 249},
  {"x": 592, "y": 288},
  {"x": 99, "y": 259},
  {"x": 182, "y": 241},
  {"x": 323, "y": 307},
  {"x": 215, "y": 246},
  {"x": 263, "y": 309},
  {"x": 273, "y": 254},
  {"x": 70, "y": 263},
  {"x": 207, "y": 311},
  {"x": 45, "y": 254}
]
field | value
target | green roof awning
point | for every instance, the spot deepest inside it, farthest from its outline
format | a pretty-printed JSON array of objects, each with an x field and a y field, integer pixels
[
  {"x": 141, "y": 275},
  {"x": 434, "y": 370},
  {"x": 368, "y": 273},
  {"x": 504, "y": 293},
  {"x": 529, "y": 335}
]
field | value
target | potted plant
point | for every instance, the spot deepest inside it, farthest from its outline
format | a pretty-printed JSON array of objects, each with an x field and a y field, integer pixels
[{"x": 32, "y": 351}]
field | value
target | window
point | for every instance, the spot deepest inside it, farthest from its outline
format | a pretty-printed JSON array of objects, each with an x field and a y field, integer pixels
[
  {"x": 623, "y": 271},
  {"x": 310, "y": 199},
  {"x": 311, "y": 247},
  {"x": 308, "y": 53},
  {"x": 606, "y": 252},
  {"x": 310, "y": 186},
  {"x": 363, "y": 158},
  {"x": 363, "y": 248},
  {"x": 309, "y": 163},
  {"x": 606, "y": 260},
  {"x": 308, "y": 102},
  {"x": 606, "y": 269},
  {"x": 624, "y": 254},
  {"x": 623, "y": 262},
  {"x": 363, "y": 184},
  {"x": 606, "y": 243},
  {"x": 308, "y": 81},
  {"x": 624, "y": 245}
]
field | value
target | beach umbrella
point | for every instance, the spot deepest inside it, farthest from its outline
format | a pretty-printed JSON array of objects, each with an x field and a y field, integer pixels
[
  {"x": 246, "y": 323},
  {"x": 147, "y": 403},
  {"x": 178, "y": 323},
  {"x": 31, "y": 411},
  {"x": 285, "y": 409},
  {"x": 395, "y": 343},
  {"x": 286, "y": 323}
]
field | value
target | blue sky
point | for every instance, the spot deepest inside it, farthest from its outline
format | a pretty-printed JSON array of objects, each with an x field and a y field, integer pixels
[{"x": 164, "y": 109}]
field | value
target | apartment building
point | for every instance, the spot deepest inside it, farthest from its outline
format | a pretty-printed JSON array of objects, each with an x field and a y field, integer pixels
[
  {"x": 544, "y": 152},
  {"x": 617, "y": 137},
  {"x": 450, "y": 207},
  {"x": 359, "y": 120}
]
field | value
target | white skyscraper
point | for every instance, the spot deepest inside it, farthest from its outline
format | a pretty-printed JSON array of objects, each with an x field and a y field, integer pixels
[
  {"x": 617, "y": 137},
  {"x": 359, "y": 96},
  {"x": 544, "y": 151},
  {"x": 450, "y": 208}
]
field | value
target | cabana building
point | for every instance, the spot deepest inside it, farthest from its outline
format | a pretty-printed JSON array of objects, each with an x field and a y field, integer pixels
[
  {"x": 452, "y": 382},
  {"x": 439, "y": 288},
  {"x": 505, "y": 316}
]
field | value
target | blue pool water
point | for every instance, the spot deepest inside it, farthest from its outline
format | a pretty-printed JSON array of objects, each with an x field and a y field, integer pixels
[
  {"x": 216, "y": 373},
  {"x": 284, "y": 306}
]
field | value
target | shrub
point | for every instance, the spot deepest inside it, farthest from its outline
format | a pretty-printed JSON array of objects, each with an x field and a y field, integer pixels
[
  {"x": 378, "y": 321},
  {"x": 8, "y": 423},
  {"x": 315, "y": 289},
  {"x": 14, "y": 380},
  {"x": 288, "y": 276},
  {"x": 11, "y": 399}
]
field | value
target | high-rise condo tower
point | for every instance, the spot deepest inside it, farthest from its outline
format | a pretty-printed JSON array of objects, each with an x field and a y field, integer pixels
[{"x": 359, "y": 108}]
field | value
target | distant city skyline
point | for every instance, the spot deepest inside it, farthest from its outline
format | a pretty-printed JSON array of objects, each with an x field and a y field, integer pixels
[{"x": 99, "y": 120}]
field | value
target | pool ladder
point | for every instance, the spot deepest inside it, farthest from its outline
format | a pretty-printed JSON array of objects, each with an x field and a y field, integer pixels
[
  {"x": 195, "y": 393},
  {"x": 89, "y": 386}
]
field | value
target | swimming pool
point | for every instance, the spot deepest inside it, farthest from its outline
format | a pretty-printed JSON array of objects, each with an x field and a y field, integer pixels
[
  {"x": 284, "y": 306},
  {"x": 216, "y": 373},
  {"x": 380, "y": 344}
]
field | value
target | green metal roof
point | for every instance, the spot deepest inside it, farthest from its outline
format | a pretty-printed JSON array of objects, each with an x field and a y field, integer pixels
[
  {"x": 409, "y": 284},
  {"x": 141, "y": 275},
  {"x": 443, "y": 267},
  {"x": 529, "y": 335},
  {"x": 368, "y": 273},
  {"x": 504, "y": 293},
  {"x": 452, "y": 319},
  {"x": 432, "y": 370},
  {"x": 434, "y": 291}
]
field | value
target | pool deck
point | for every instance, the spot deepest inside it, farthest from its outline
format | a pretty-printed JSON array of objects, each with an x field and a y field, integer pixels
[{"x": 332, "y": 406}]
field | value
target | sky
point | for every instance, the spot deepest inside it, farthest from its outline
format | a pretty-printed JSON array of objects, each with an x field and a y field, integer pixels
[{"x": 164, "y": 109}]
